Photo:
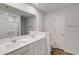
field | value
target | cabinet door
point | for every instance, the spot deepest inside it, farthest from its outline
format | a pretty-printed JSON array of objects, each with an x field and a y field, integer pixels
[
  {"x": 27, "y": 50},
  {"x": 72, "y": 31},
  {"x": 40, "y": 47}
]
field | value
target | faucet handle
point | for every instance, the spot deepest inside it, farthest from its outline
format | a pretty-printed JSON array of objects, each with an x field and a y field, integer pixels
[{"x": 13, "y": 41}]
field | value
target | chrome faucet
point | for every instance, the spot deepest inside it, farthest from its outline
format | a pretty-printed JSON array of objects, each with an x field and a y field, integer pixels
[
  {"x": 13, "y": 41},
  {"x": 11, "y": 36},
  {"x": 32, "y": 35}
]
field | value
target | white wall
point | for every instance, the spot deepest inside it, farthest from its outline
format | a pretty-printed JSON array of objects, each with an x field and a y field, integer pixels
[
  {"x": 29, "y": 9},
  {"x": 55, "y": 24},
  {"x": 64, "y": 21}
]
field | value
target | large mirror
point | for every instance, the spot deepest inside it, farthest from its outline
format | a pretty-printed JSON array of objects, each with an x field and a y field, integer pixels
[{"x": 14, "y": 22}]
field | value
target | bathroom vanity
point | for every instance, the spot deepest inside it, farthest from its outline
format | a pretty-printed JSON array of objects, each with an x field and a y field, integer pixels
[
  {"x": 27, "y": 45},
  {"x": 15, "y": 38}
]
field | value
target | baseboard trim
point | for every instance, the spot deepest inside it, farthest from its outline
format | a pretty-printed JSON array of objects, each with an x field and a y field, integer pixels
[{"x": 71, "y": 52}]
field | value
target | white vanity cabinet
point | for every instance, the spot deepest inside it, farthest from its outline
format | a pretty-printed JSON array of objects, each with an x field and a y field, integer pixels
[
  {"x": 37, "y": 47},
  {"x": 26, "y": 50},
  {"x": 40, "y": 47}
]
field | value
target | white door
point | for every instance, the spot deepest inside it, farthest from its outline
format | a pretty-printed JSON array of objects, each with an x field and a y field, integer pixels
[
  {"x": 49, "y": 27},
  {"x": 59, "y": 30},
  {"x": 72, "y": 31}
]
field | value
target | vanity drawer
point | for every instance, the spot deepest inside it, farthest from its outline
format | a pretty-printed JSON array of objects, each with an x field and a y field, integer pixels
[
  {"x": 23, "y": 51},
  {"x": 40, "y": 47},
  {"x": 39, "y": 42}
]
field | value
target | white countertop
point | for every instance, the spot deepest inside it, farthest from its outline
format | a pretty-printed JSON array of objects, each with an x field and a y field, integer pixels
[{"x": 7, "y": 48}]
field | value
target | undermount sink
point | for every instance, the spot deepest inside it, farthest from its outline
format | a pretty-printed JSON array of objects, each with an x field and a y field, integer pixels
[{"x": 16, "y": 44}]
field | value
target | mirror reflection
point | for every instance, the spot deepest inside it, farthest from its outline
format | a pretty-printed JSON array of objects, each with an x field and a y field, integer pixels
[{"x": 13, "y": 24}]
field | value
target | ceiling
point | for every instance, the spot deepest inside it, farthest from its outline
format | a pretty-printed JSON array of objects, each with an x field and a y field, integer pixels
[
  {"x": 9, "y": 9},
  {"x": 44, "y": 7},
  {"x": 47, "y": 7}
]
